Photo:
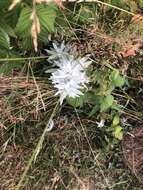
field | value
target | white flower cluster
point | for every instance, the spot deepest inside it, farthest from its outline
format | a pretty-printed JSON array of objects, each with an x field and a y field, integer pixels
[{"x": 70, "y": 76}]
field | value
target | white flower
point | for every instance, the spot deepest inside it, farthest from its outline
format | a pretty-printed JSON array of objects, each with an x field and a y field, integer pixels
[
  {"x": 58, "y": 51},
  {"x": 70, "y": 77},
  {"x": 101, "y": 123}
]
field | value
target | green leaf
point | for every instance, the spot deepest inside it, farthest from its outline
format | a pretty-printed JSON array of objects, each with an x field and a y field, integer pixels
[
  {"x": 94, "y": 110},
  {"x": 92, "y": 98},
  {"x": 4, "y": 3},
  {"x": 118, "y": 132},
  {"x": 46, "y": 15},
  {"x": 11, "y": 17},
  {"x": 117, "y": 79},
  {"x": 24, "y": 23},
  {"x": 7, "y": 68},
  {"x": 6, "y": 27},
  {"x": 107, "y": 102},
  {"x": 27, "y": 43},
  {"x": 4, "y": 42},
  {"x": 76, "y": 102},
  {"x": 116, "y": 120}
]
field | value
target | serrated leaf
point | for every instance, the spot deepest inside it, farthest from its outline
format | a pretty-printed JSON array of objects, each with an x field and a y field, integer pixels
[
  {"x": 11, "y": 17},
  {"x": 46, "y": 15},
  {"x": 4, "y": 42},
  {"x": 107, "y": 102},
  {"x": 118, "y": 132},
  {"x": 24, "y": 23},
  {"x": 7, "y": 28}
]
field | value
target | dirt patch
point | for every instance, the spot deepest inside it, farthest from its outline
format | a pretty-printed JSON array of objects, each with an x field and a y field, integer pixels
[
  {"x": 133, "y": 151},
  {"x": 12, "y": 164}
]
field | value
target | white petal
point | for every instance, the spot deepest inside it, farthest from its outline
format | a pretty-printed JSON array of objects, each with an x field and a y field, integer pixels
[{"x": 62, "y": 97}]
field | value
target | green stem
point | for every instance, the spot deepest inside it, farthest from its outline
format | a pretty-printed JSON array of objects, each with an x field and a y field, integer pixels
[
  {"x": 36, "y": 150},
  {"x": 22, "y": 58}
]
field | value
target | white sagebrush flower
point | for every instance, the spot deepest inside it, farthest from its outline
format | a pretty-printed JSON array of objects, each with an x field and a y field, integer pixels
[
  {"x": 58, "y": 51},
  {"x": 70, "y": 77}
]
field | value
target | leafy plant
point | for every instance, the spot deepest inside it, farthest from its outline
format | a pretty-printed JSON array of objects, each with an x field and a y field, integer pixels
[
  {"x": 46, "y": 15},
  {"x": 16, "y": 24},
  {"x": 101, "y": 98},
  {"x": 105, "y": 81},
  {"x": 4, "y": 42},
  {"x": 15, "y": 29}
]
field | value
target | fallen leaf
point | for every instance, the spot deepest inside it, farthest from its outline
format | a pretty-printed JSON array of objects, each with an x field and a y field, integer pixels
[{"x": 128, "y": 53}]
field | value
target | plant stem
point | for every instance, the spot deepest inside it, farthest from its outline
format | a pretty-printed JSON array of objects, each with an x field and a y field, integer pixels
[
  {"x": 36, "y": 150},
  {"x": 22, "y": 58}
]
